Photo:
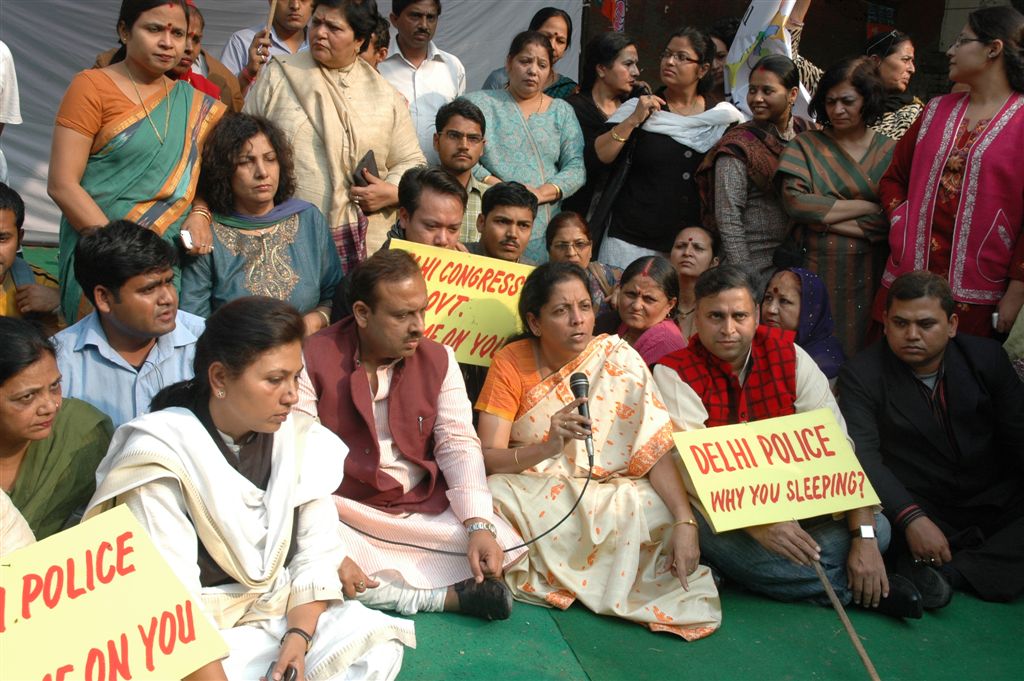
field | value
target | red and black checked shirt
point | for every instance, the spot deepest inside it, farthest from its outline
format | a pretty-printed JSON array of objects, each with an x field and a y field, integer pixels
[{"x": 770, "y": 388}]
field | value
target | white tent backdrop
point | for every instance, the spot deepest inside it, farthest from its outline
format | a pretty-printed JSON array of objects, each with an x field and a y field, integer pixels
[{"x": 51, "y": 40}]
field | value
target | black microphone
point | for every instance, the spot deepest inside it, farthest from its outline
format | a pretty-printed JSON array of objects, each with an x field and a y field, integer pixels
[{"x": 580, "y": 386}]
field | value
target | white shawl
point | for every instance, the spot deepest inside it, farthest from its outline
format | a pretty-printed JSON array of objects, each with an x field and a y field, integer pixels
[
  {"x": 699, "y": 132},
  {"x": 246, "y": 530}
]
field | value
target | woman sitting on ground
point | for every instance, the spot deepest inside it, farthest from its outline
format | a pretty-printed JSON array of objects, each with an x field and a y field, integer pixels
[
  {"x": 49, "y": 447},
  {"x": 265, "y": 241},
  {"x": 645, "y": 315},
  {"x": 796, "y": 300},
  {"x": 694, "y": 252},
  {"x": 235, "y": 492},
  {"x": 634, "y": 534},
  {"x": 568, "y": 240}
]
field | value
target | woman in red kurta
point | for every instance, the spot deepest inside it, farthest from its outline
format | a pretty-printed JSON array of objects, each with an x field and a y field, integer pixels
[{"x": 954, "y": 192}]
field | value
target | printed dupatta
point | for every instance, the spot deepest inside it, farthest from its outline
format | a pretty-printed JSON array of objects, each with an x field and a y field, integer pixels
[
  {"x": 632, "y": 429},
  {"x": 132, "y": 176}
]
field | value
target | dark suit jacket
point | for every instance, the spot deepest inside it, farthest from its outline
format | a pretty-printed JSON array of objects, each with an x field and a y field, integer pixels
[{"x": 906, "y": 452}]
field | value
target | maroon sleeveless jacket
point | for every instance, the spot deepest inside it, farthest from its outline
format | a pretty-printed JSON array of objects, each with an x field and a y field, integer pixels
[
  {"x": 345, "y": 407},
  {"x": 770, "y": 388}
]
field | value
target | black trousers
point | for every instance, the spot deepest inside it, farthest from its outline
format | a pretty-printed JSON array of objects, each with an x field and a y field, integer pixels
[{"x": 987, "y": 544}]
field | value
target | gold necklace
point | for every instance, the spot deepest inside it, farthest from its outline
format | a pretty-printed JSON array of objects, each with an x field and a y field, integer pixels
[{"x": 167, "y": 106}]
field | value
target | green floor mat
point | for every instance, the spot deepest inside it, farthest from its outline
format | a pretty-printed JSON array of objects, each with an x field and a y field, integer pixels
[{"x": 759, "y": 639}]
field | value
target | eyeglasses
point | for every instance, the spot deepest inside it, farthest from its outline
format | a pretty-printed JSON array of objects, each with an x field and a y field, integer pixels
[
  {"x": 566, "y": 246},
  {"x": 456, "y": 136},
  {"x": 680, "y": 57},
  {"x": 962, "y": 40}
]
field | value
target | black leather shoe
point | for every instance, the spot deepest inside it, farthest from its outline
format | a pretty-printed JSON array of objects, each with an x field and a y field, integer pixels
[
  {"x": 936, "y": 591},
  {"x": 489, "y": 600},
  {"x": 903, "y": 601}
]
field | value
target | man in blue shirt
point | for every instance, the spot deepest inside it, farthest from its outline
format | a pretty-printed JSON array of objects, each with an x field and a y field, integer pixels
[{"x": 136, "y": 341}]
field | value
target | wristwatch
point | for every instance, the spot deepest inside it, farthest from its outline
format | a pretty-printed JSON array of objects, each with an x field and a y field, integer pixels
[
  {"x": 480, "y": 525},
  {"x": 863, "y": 532}
]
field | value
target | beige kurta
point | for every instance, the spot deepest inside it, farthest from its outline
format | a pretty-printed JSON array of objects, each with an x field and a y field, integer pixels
[{"x": 332, "y": 117}]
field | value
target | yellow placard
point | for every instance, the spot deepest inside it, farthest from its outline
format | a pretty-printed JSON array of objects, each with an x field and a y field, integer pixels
[
  {"x": 774, "y": 470},
  {"x": 473, "y": 300},
  {"x": 98, "y": 601}
]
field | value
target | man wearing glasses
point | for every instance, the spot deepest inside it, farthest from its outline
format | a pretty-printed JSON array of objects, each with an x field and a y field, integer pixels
[{"x": 459, "y": 143}]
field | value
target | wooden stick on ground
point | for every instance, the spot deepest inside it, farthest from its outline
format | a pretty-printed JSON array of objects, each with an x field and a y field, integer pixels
[{"x": 846, "y": 622}]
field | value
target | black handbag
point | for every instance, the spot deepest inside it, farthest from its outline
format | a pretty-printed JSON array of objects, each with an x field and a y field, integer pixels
[{"x": 600, "y": 214}]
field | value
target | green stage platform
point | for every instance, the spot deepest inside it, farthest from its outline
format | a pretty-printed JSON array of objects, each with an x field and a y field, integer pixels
[{"x": 759, "y": 640}]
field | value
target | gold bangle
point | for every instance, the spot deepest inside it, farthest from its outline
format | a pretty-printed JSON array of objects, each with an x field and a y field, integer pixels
[
  {"x": 327, "y": 318},
  {"x": 199, "y": 210},
  {"x": 688, "y": 521},
  {"x": 618, "y": 138},
  {"x": 558, "y": 191}
]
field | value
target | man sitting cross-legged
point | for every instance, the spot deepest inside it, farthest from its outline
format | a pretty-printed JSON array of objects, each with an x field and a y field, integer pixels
[
  {"x": 938, "y": 419},
  {"x": 736, "y": 371},
  {"x": 137, "y": 341},
  {"x": 414, "y": 472}
]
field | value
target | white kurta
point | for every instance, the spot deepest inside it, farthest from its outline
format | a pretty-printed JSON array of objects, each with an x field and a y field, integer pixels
[
  {"x": 167, "y": 469},
  {"x": 458, "y": 454}
]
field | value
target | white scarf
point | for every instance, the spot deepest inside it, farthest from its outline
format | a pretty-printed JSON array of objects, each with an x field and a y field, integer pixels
[
  {"x": 699, "y": 132},
  {"x": 246, "y": 530}
]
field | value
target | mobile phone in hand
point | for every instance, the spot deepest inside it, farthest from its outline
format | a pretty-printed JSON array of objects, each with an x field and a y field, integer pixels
[
  {"x": 289, "y": 673},
  {"x": 186, "y": 239}
]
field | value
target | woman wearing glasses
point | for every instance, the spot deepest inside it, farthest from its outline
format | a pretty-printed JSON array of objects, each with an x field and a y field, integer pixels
[
  {"x": 568, "y": 240},
  {"x": 954, "y": 191},
  {"x": 656, "y": 143},
  {"x": 892, "y": 54}
]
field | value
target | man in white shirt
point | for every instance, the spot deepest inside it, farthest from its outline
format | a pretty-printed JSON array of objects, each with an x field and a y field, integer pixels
[{"x": 426, "y": 76}]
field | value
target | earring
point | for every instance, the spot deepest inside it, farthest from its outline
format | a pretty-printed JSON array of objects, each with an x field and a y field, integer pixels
[{"x": 220, "y": 394}]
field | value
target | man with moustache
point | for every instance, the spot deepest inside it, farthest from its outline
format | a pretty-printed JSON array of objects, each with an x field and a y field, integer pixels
[
  {"x": 938, "y": 418},
  {"x": 736, "y": 371},
  {"x": 414, "y": 471},
  {"x": 459, "y": 143},
  {"x": 426, "y": 76},
  {"x": 505, "y": 222},
  {"x": 136, "y": 341}
]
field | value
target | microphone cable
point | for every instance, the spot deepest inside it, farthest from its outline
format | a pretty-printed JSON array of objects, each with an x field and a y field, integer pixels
[{"x": 590, "y": 474}]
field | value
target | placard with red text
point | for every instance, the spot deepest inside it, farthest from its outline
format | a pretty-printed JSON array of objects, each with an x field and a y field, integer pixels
[
  {"x": 473, "y": 300},
  {"x": 786, "y": 468},
  {"x": 96, "y": 602}
]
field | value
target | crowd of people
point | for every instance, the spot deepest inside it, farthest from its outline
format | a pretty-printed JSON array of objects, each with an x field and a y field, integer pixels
[{"x": 232, "y": 349}]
